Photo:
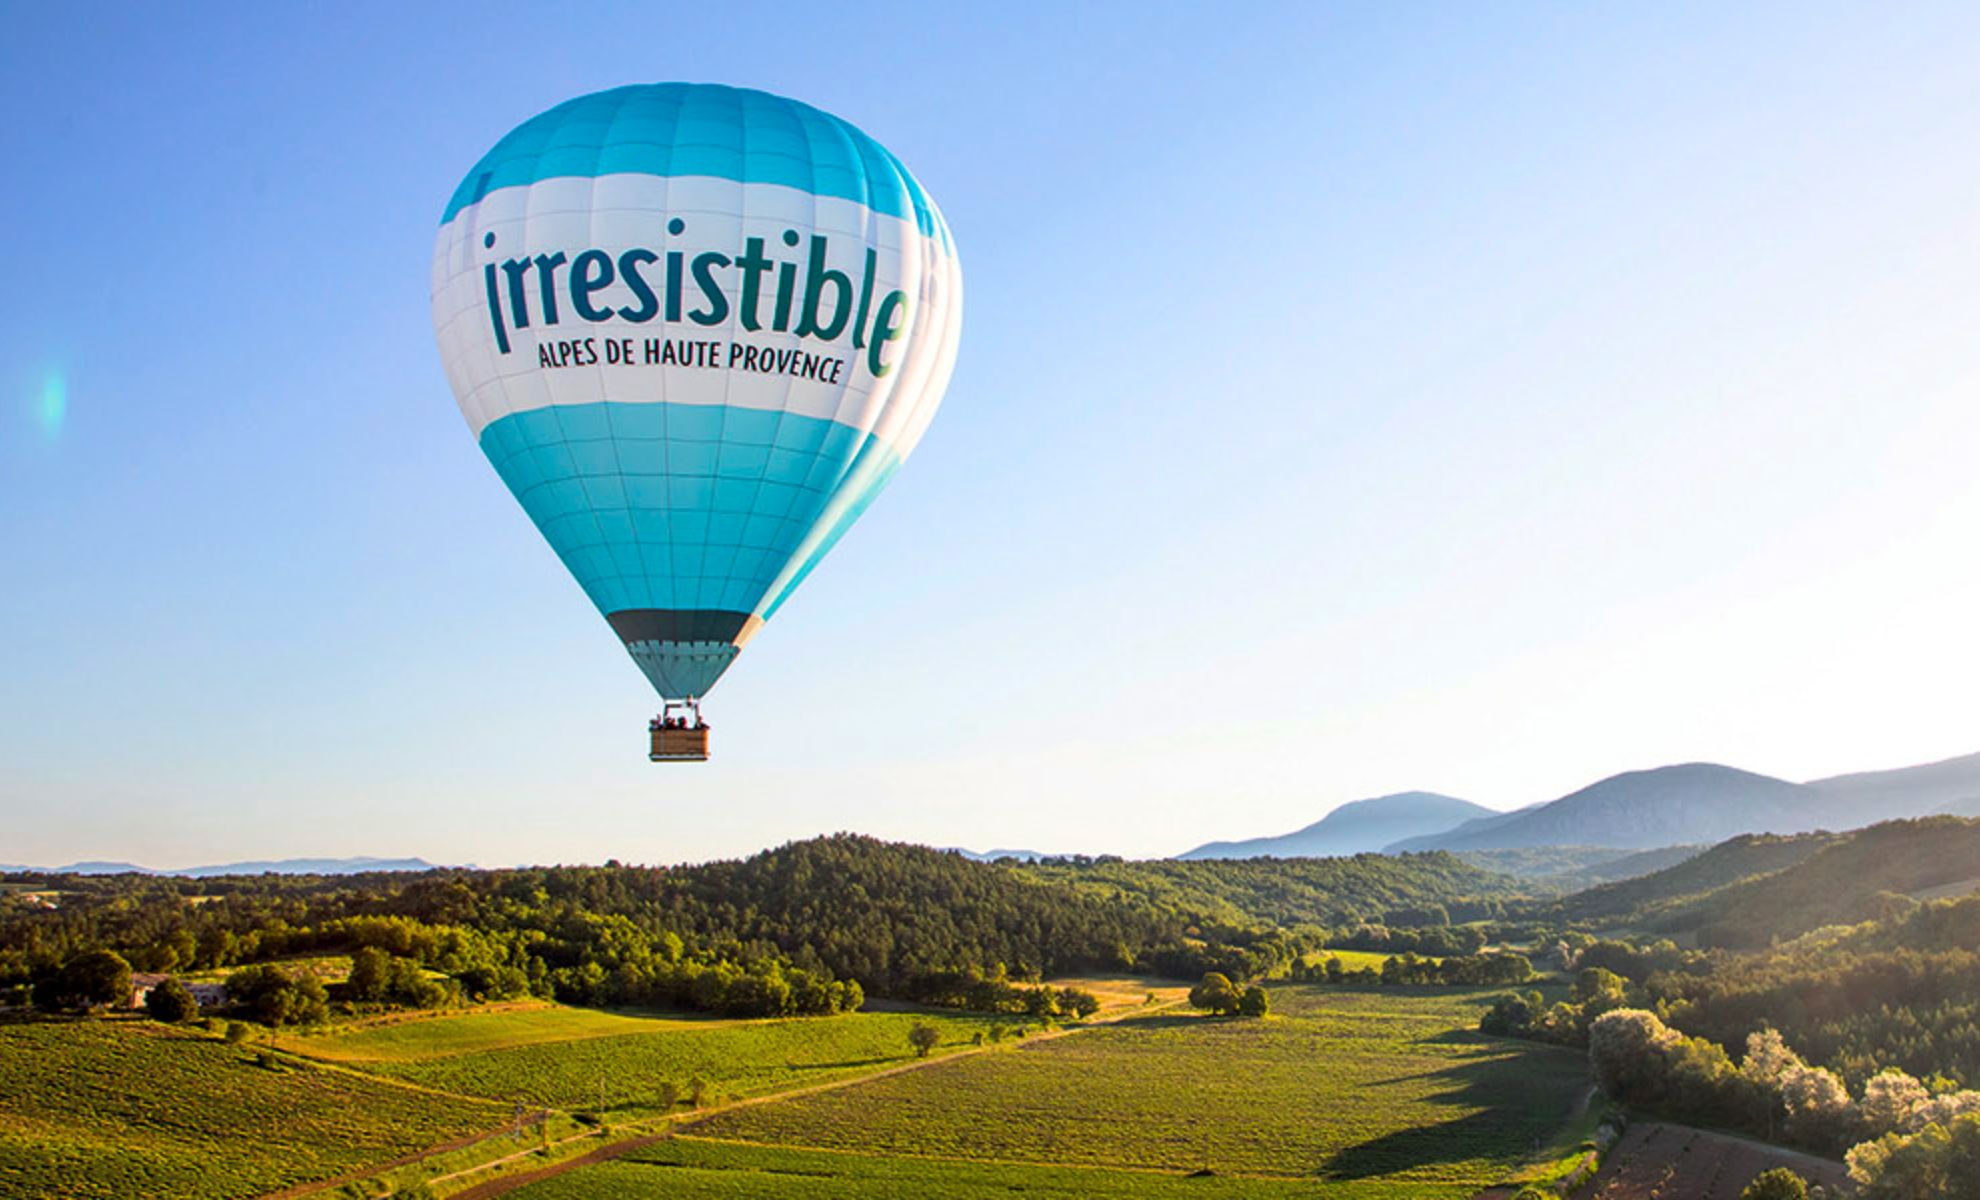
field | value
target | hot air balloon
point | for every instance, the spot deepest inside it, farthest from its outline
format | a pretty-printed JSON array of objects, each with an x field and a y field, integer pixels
[{"x": 695, "y": 329}]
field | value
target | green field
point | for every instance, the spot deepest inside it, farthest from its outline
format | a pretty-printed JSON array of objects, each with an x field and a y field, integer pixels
[
  {"x": 1359, "y": 960},
  {"x": 1342, "y": 1093},
  {"x": 1385, "y": 1092},
  {"x": 687, "y": 1168},
  {"x": 571, "y": 1058},
  {"x": 417, "y": 1037},
  {"x": 127, "y": 1108}
]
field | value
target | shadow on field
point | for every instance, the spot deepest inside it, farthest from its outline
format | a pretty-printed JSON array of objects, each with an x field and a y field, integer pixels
[
  {"x": 1517, "y": 1099},
  {"x": 1157, "y": 1021}
]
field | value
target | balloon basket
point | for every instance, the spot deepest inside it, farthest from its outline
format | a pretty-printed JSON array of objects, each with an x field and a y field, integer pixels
[{"x": 682, "y": 738}]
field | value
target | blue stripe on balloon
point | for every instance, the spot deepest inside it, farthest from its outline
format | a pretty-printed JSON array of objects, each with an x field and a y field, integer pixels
[
  {"x": 683, "y": 506},
  {"x": 671, "y": 129}
]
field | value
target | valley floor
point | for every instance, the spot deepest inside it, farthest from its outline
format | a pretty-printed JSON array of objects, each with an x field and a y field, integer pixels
[{"x": 1342, "y": 1092}]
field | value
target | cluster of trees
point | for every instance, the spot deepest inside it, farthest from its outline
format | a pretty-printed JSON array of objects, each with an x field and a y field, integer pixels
[
  {"x": 997, "y": 993},
  {"x": 1461, "y": 970},
  {"x": 1940, "y": 1161},
  {"x": 89, "y": 979},
  {"x": 1240, "y": 953},
  {"x": 1903, "y": 991},
  {"x": 1222, "y": 997},
  {"x": 274, "y": 996},
  {"x": 1631, "y": 960},
  {"x": 1436, "y": 939},
  {"x": 1771, "y": 1092},
  {"x": 1597, "y": 990}
]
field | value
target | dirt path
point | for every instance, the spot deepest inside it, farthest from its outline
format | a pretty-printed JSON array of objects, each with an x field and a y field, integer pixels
[
  {"x": 304, "y": 1189},
  {"x": 649, "y": 1135}
]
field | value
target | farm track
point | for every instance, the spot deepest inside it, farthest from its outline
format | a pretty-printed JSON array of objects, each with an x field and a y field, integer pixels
[
  {"x": 612, "y": 1150},
  {"x": 403, "y": 1160}
]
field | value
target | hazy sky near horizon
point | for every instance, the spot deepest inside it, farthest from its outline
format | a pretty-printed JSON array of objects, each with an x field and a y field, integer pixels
[{"x": 1352, "y": 398}]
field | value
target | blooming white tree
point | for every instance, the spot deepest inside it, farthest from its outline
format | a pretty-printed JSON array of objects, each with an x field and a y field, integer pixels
[
  {"x": 1819, "y": 1112},
  {"x": 1891, "y": 1103}
]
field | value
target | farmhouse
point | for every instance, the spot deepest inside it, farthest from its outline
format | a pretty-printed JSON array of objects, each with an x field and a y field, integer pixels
[
  {"x": 141, "y": 985},
  {"x": 208, "y": 995}
]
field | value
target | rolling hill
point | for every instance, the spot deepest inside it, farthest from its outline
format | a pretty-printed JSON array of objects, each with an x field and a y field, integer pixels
[
  {"x": 1642, "y": 898},
  {"x": 1949, "y": 786},
  {"x": 1710, "y": 802},
  {"x": 1564, "y": 869},
  {"x": 1644, "y": 810},
  {"x": 1869, "y": 873},
  {"x": 282, "y": 866},
  {"x": 1755, "y": 889},
  {"x": 1356, "y": 827}
]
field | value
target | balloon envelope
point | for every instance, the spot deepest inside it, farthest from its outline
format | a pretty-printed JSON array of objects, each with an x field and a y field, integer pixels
[{"x": 696, "y": 329}]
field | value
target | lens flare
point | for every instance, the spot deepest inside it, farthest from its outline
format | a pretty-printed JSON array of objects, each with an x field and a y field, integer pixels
[{"x": 54, "y": 404}]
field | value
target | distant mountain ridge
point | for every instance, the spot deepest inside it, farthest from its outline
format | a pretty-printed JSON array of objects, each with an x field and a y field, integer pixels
[
  {"x": 281, "y": 866},
  {"x": 1642, "y": 810},
  {"x": 1948, "y": 786},
  {"x": 1687, "y": 804},
  {"x": 1357, "y": 827}
]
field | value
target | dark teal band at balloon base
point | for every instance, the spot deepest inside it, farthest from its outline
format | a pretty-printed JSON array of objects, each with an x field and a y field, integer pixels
[{"x": 679, "y": 625}]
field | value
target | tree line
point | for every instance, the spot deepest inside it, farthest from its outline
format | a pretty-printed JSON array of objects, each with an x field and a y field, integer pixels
[{"x": 808, "y": 928}]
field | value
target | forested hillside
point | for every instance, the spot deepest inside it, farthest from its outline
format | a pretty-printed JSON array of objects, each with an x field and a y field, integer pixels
[
  {"x": 1902, "y": 991},
  {"x": 802, "y": 928},
  {"x": 1641, "y": 900},
  {"x": 1406, "y": 889},
  {"x": 1870, "y": 873}
]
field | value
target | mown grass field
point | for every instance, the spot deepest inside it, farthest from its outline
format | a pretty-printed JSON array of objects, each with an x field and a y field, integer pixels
[
  {"x": 127, "y": 1108},
  {"x": 1119, "y": 992},
  {"x": 577, "y": 1058},
  {"x": 1381, "y": 1092}
]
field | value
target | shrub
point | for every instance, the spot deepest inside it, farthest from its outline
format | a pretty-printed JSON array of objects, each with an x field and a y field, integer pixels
[
  {"x": 272, "y": 996},
  {"x": 1939, "y": 1162},
  {"x": 171, "y": 1002},
  {"x": 1216, "y": 993},
  {"x": 923, "y": 1037},
  {"x": 89, "y": 980},
  {"x": 1777, "y": 1184}
]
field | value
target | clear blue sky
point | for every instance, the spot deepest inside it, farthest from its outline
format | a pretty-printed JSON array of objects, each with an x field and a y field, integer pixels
[{"x": 1351, "y": 399}]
